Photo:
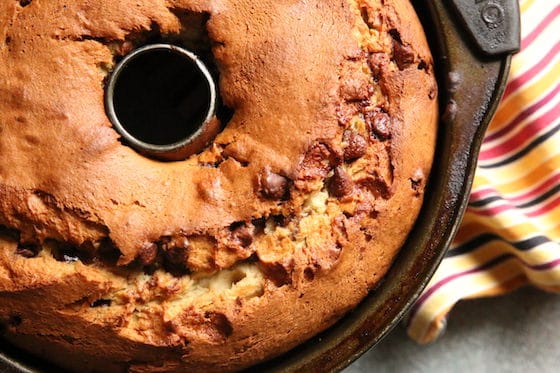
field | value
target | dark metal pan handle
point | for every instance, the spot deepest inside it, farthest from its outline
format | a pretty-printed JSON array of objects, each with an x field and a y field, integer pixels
[{"x": 492, "y": 24}]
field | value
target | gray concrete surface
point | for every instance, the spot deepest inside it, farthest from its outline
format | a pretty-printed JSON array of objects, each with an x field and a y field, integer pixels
[{"x": 519, "y": 332}]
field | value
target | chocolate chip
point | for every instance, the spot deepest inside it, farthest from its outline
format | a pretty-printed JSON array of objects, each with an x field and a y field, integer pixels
[
  {"x": 281, "y": 220},
  {"x": 341, "y": 183},
  {"x": 357, "y": 146},
  {"x": 217, "y": 326},
  {"x": 402, "y": 54},
  {"x": 124, "y": 48},
  {"x": 24, "y": 3},
  {"x": 365, "y": 17},
  {"x": 354, "y": 81},
  {"x": 423, "y": 65},
  {"x": 177, "y": 255},
  {"x": 259, "y": 223},
  {"x": 309, "y": 273},
  {"x": 376, "y": 184},
  {"x": 280, "y": 274},
  {"x": 243, "y": 235},
  {"x": 101, "y": 303},
  {"x": 272, "y": 185},
  {"x": 377, "y": 63},
  {"x": 87, "y": 251},
  {"x": 379, "y": 123},
  {"x": 395, "y": 34},
  {"x": 319, "y": 161},
  {"x": 148, "y": 254},
  {"x": 27, "y": 250}
]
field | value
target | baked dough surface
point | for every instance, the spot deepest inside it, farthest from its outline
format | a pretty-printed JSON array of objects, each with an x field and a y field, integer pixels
[{"x": 116, "y": 262}]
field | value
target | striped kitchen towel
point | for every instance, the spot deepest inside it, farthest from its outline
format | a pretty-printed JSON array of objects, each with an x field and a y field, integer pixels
[{"x": 510, "y": 235}]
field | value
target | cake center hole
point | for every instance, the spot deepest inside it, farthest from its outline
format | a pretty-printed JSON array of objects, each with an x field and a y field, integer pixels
[{"x": 160, "y": 96}]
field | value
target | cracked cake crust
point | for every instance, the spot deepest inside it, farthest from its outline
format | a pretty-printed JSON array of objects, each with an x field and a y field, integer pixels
[{"x": 285, "y": 222}]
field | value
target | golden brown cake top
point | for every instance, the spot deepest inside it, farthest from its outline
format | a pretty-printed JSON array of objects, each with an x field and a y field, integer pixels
[{"x": 310, "y": 188}]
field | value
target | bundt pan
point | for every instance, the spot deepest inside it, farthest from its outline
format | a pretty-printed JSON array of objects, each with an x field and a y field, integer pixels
[{"x": 472, "y": 42}]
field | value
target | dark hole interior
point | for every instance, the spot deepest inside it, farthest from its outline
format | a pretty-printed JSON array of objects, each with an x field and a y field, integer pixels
[{"x": 161, "y": 97}]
